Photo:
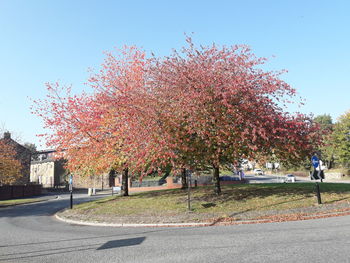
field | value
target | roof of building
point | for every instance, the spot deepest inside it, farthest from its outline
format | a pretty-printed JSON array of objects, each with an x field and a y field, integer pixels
[
  {"x": 7, "y": 138},
  {"x": 45, "y": 151}
]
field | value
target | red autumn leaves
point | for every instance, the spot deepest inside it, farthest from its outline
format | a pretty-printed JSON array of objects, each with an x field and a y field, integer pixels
[{"x": 199, "y": 106}]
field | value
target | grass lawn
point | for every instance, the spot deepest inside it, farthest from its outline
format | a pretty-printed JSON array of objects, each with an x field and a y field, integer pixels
[
  {"x": 17, "y": 201},
  {"x": 235, "y": 200}
]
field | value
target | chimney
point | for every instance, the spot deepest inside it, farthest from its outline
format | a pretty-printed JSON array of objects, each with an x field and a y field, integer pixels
[{"x": 7, "y": 135}]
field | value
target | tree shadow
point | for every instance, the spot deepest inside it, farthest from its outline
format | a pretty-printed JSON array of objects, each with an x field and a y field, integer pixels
[
  {"x": 239, "y": 193},
  {"x": 156, "y": 193},
  {"x": 64, "y": 250},
  {"x": 122, "y": 243},
  {"x": 208, "y": 205},
  {"x": 336, "y": 200}
]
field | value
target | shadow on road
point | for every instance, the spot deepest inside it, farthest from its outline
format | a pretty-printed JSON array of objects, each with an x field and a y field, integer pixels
[
  {"x": 122, "y": 243},
  {"x": 64, "y": 250}
]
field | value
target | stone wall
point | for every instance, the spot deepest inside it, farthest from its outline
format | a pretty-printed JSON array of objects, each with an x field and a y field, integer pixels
[
  {"x": 18, "y": 191},
  {"x": 333, "y": 176},
  {"x": 169, "y": 185},
  {"x": 97, "y": 181}
]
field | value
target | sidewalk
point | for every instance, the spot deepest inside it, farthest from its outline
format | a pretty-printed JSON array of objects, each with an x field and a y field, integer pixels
[{"x": 27, "y": 200}]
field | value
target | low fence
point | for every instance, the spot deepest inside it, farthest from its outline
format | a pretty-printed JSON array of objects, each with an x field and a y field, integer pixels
[
  {"x": 170, "y": 183},
  {"x": 334, "y": 176},
  {"x": 18, "y": 191},
  {"x": 175, "y": 182},
  {"x": 147, "y": 183}
]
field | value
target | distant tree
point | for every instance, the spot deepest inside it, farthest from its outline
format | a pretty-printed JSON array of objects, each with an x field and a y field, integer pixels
[
  {"x": 10, "y": 167},
  {"x": 327, "y": 148},
  {"x": 341, "y": 137},
  {"x": 325, "y": 121},
  {"x": 30, "y": 146}
]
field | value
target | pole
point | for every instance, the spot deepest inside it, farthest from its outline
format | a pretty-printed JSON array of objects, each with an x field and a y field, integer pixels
[
  {"x": 71, "y": 199},
  {"x": 317, "y": 187},
  {"x": 189, "y": 190},
  {"x": 318, "y": 193},
  {"x": 71, "y": 190}
]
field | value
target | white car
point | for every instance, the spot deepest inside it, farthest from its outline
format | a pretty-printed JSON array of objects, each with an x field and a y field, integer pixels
[
  {"x": 289, "y": 178},
  {"x": 258, "y": 172}
]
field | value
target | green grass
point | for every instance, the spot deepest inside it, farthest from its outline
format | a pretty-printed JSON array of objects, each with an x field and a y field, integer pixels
[
  {"x": 233, "y": 200},
  {"x": 17, "y": 201}
]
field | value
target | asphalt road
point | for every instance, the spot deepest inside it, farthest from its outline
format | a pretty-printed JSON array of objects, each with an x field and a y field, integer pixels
[
  {"x": 256, "y": 179},
  {"x": 266, "y": 178},
  {"x": 29, "y": 233}
]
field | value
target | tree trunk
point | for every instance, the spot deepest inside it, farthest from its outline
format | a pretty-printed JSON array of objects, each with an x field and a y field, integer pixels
[
  {"x": 125, "y": 187},
  {"x": 216, "y": 172},
  {"x": 183, "y": 179},
  {"x": 331, "y": 162}
]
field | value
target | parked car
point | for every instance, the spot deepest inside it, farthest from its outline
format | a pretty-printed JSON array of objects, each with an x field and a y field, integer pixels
[
  {"x": 258, "y": 172},
  {"x": 289, "y": 178}
]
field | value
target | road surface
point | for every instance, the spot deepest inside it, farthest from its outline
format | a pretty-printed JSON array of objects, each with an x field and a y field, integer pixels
[
  {"x": 29, "y": 233},
  {"x": 266, "y": 178}
]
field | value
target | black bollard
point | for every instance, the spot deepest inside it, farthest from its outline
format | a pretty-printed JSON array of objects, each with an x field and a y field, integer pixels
[
  {"x": 71, "y": 200},
  {"x": 318, "y": 194}
]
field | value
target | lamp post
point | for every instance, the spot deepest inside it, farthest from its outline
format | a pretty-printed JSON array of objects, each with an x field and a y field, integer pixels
[
  {"x": 71, "y": 190},
  {"x": 189, "y": 189}
]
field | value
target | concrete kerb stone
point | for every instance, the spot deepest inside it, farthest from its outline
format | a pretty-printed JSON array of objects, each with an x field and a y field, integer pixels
[
  {"x": 206, "y": 224},
  {"x": 86, "y": 223}
]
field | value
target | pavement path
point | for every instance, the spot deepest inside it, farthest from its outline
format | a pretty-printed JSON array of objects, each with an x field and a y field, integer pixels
[{"x": 30, "y": 233}]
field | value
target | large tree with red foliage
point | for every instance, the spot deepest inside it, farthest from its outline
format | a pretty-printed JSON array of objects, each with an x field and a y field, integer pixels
[
  {"x": 199, "y": 106},
  {"x": 93, "y": 131},
  {"x": 218, "y": 106}
]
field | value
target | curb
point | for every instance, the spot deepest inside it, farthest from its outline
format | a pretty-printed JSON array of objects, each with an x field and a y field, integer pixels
[
  {"x": 206, "y": 224},
  {"x": 85, "y": 223}
]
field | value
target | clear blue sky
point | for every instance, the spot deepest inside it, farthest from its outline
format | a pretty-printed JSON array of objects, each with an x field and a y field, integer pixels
[{"x": 44, "y": 41}]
